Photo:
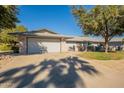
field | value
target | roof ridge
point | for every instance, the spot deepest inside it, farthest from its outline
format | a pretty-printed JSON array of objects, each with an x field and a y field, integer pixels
[{"x": 39, "y": 30}]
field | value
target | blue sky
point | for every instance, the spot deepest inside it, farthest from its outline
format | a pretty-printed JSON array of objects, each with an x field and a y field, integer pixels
[{"x": 55, "y": 18}]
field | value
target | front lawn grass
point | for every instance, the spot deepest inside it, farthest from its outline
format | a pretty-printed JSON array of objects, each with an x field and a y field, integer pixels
[{"x": 102, "y": 55}]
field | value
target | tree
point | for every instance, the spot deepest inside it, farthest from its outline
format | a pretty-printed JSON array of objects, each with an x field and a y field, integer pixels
[
  {"x": 8, "y": 17},
  {"x": 105, "y": 21},
  {"x": 6, "y": 38},
  {"x": 21, "y": 28},
  {"x": 123, "y": 41}
]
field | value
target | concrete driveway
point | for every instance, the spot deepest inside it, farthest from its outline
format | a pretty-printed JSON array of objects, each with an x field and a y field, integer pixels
[{"x": 60, "y": 70}]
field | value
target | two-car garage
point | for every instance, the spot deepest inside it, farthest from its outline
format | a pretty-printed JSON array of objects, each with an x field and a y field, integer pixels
[
  {"x": 37, "y": 45},
  {"x": 41, "y": 41}
]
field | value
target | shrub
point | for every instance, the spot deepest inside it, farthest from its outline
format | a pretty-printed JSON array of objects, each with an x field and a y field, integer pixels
[
  {"x": 15, "y": 49},
  {"x": 5, "y": 47}
]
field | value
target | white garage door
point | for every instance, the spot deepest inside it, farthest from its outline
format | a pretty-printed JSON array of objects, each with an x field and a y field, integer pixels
[{"x": 36, "y": 45}]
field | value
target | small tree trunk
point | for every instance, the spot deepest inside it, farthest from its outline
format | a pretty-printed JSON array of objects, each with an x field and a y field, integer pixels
[{"x": 106, "y": 45}]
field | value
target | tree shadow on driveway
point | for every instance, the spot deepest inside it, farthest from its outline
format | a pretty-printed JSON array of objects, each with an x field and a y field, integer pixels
[{"x": 60, "y": 73}]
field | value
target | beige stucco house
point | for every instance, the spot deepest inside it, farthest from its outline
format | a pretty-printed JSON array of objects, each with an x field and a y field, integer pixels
[{"x": 41, "y": 41}]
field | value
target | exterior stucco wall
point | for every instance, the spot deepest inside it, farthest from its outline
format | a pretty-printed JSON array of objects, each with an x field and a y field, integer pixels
[
  {"x": 63, "y": 45},
  {"x": 22, "y": 45},
  {"x": 71, "y": 45}
]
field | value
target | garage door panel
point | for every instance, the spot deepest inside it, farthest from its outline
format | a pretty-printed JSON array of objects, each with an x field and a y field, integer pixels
[
  {"x": 35, "y": 45},
  {"x": 52, "y": 46}
]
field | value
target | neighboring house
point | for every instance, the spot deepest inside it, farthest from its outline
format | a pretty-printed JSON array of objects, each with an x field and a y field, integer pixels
[{"x": 47, "y": 41}]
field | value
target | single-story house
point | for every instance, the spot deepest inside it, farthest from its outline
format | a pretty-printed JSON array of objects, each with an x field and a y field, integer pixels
[{"x": 41, "y": 41}]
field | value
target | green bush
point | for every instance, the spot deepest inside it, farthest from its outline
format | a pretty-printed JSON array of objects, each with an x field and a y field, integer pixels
[
  {"x": 15, "y": 49},
  {"x": 5, "y": 47}
]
